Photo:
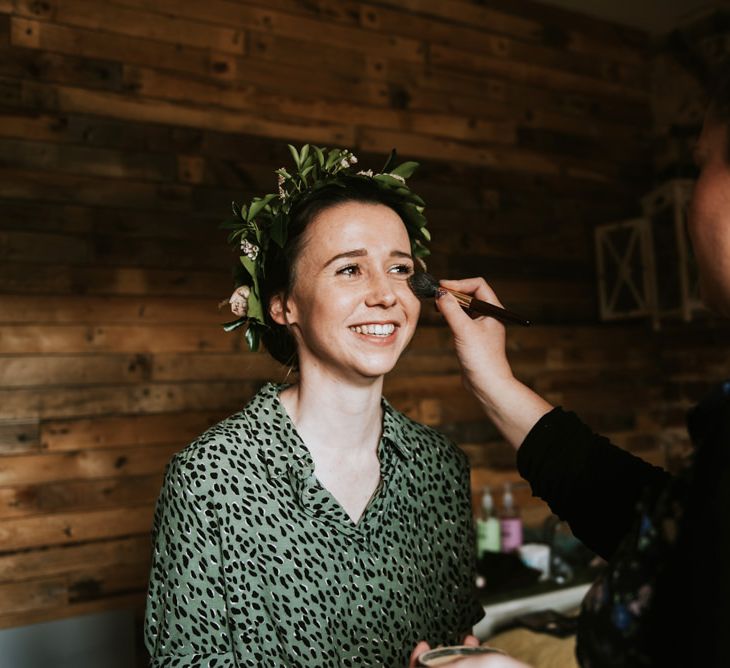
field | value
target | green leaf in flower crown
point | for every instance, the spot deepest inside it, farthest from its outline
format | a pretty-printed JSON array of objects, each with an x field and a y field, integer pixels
[
  {"x": 230, "y": 224},
  {"x": 320, "y": 155},
  {"x": 257, "y": 204},
  {"x": 235, "y": 234},
  {"x": 332, "y": 158},
  {"x": 405, "y": 169},
  {"x": 278, "y": 231},
  {"x": 249, "y": 266},
  {"x": 419, "y": 250},
  {"x": 252, "y": 337},
  {"x": 234, "y": 324},
  {"x": 295, "y": 155},
  {"x": 389, "y": 162},
  {"x": 303, "y": 154},
  {"x": 255, "y": 309},
  {"x": 387, "y": 179},
  {"x": 306, "y": 171}
]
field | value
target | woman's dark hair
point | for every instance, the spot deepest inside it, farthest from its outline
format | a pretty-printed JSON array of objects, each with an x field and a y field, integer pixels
[{"x": 279, "y": 269}]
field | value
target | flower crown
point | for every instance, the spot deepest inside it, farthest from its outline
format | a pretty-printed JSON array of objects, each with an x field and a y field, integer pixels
[{"x": 265, "y": 220}]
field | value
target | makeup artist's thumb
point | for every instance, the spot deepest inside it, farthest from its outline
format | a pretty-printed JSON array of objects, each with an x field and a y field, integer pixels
[{"x": 450, "y": 309}]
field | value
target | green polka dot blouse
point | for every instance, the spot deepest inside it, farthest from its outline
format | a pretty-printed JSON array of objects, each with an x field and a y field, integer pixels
[{"x": 256, "y": 564}]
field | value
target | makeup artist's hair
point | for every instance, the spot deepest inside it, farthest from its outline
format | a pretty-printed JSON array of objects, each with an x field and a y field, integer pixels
[
  {"x": 719, "y": 106},
  {"x": 280, "y": 267}
]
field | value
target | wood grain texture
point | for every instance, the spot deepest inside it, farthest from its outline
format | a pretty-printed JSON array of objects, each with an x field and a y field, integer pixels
[{"x": 128, "y": 127}]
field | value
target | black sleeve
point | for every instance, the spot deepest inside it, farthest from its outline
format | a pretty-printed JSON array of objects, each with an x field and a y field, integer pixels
[
  {"x": 585, "y": 479},
  {"x": 708, "y": 532}
]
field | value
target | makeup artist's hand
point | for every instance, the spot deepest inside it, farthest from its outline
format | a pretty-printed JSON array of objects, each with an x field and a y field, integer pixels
[
  {"x": 423, "y": 646},
  {"x": 480, "y": 341},
  {"x": 481, "y": 348},
  {"x": 489, "y": 661}
]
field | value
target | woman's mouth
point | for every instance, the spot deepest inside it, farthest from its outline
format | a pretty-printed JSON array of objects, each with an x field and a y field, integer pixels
[{"x": 384, "y": 330}]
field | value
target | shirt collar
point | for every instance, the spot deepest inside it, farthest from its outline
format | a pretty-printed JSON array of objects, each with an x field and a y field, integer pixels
[
  {"x": 394, "y": 432},
  {"x": 282, "y": 448}
]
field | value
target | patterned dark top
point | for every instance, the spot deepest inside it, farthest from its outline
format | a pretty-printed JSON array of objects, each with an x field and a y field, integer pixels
[{"x": 256, "y": 564}]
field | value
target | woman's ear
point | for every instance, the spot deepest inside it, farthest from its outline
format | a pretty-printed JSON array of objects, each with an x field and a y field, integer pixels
[{"x": 278, "y": 310}]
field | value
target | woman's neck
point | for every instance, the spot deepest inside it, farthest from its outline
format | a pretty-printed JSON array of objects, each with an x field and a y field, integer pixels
[{"x": 332, "y": 414}]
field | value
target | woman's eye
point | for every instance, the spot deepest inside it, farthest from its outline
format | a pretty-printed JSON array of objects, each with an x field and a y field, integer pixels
[
  {"x": 404, "y": 269},
  {"x": 349, "y": 270}
]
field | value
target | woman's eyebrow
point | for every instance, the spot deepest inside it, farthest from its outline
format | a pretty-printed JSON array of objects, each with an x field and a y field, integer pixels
[
  {"x": 361, "y": 252},
  {"x": 358, "y": 252}
]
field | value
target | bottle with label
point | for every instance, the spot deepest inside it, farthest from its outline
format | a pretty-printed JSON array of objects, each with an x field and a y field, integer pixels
[
  {"x": 488, "y": 529},
  {"x": 510, "y": 522}
]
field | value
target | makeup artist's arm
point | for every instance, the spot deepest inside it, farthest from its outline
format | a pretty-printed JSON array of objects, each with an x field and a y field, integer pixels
[{"x": 480, "y": 345}]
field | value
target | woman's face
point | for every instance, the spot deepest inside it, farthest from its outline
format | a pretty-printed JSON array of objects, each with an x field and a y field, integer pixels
[
  {"x": 350, "y": 309},
  {"x": 709, "y": 217}
]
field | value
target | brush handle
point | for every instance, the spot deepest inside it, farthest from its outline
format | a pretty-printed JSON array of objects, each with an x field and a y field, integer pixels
[{"x": 469, "y": 303}]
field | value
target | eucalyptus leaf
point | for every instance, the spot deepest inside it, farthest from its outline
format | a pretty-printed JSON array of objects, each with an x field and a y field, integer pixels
[
  {"x": 303, "y": 153},
  {"x": 320, "y": 155},
  {"x": 295, "y": 155}
]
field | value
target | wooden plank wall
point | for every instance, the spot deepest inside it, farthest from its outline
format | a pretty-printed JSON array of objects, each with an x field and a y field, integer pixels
[{"x": 128, "y": 126}]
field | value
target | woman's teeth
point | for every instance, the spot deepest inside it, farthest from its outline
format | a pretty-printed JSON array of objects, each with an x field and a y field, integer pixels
[{"x": 374, "y": 330}]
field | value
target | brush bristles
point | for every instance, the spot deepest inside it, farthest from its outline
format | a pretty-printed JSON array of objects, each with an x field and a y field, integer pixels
[{"x": 423, "y": 284}]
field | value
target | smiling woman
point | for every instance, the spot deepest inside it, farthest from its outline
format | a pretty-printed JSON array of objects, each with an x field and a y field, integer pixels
[
  {"x": 318, "y": 526},
  {"x": 351, "y": 311}
]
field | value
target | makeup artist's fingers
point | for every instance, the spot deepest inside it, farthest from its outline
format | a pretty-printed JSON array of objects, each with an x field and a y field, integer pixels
[
  {"x": 419, "y": 649},
  {"x": 476, "y": 287},
  {"x": 479, "y": 345},
  {"x": 456, "y": 317},
  {"x": 489, "y": 661}
]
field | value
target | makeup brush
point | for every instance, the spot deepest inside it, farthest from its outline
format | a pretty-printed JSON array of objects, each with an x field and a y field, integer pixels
[{"x": 424, "y": 285}]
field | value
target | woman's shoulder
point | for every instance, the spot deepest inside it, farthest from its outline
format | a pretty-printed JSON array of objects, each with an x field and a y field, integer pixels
[
  {"x": 229, "y": 445},
  {"x": 425, "y": 441}
]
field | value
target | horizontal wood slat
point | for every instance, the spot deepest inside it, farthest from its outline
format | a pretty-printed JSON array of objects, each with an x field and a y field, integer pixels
[
  {"x": 128, "y": 127},
  {"x": 78, "y": 527}
]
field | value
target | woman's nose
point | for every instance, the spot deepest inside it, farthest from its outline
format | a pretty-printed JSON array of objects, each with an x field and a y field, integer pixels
[{"x": 380, "y": 292}]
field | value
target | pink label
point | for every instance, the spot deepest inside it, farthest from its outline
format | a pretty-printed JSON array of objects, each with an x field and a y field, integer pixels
[{"x": 511, "y": 533}]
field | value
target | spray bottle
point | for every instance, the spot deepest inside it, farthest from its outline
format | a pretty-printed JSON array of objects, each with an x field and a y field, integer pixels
[
  {"x": 510, "y": 522},
  {"x": 488, "y": 529}
]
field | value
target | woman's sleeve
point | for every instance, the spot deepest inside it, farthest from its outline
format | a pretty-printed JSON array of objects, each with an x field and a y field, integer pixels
[
  {"x": 186, "y": 619},
  {"x": 585, "y": 479}
]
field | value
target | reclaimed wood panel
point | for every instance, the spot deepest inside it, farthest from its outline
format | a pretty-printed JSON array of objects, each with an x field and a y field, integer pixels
[{"x": 128, "y": 127}]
